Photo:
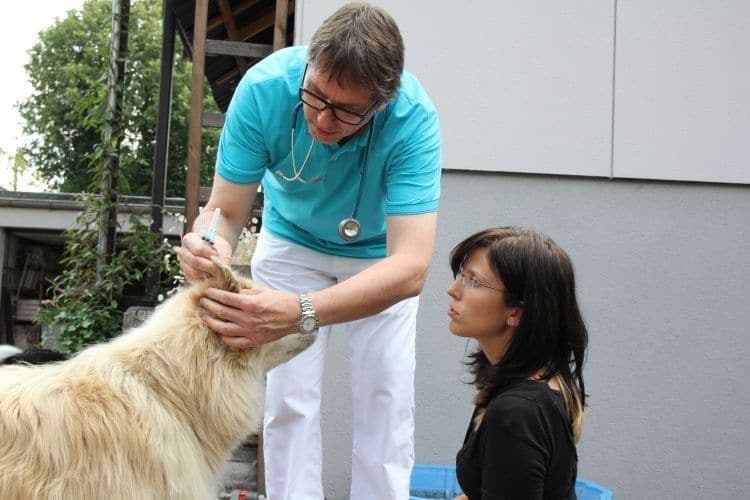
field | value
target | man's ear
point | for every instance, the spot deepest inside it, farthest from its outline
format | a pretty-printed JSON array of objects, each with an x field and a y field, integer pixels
[
  {"x": 225, "y": 278},
  {"x": 381, "y": 106}
]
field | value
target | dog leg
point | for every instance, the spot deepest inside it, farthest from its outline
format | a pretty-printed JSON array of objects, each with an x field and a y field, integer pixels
[{"x": 284, "y": 349}]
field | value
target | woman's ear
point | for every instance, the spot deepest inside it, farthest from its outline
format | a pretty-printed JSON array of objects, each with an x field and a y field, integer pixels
[
  {"x": 381, "y": 106},
  {"x": 514, "y": 319}
]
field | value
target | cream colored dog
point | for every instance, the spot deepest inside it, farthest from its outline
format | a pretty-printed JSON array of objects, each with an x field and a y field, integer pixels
[{"x": 151, "y": 415}]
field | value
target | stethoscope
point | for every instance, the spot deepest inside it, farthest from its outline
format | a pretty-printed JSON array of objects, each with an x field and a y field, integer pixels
[{"x": 349, "y": 228}]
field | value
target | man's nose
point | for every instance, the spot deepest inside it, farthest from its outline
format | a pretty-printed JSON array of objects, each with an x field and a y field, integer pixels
[{"x": 326, "y": 117}]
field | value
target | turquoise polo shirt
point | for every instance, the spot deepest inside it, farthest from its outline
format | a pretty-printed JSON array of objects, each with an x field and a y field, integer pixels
[{"x": 401, "y": 174}]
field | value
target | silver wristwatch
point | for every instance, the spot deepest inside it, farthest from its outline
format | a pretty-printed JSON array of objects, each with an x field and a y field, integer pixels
[{"x": 308, "y": 322}]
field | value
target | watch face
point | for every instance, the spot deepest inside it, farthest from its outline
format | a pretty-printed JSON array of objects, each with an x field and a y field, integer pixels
[{"x": 308, "y": 324}]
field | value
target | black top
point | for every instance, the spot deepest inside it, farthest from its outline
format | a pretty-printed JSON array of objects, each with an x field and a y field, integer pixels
[{"x": 524, "y": 448}]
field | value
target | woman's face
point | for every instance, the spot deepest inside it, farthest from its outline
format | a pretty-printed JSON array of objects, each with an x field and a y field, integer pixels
[{"x": 478, "y": 309}]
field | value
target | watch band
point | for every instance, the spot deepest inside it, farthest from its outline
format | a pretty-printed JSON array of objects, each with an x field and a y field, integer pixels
[{"x": 308, "y": 322}]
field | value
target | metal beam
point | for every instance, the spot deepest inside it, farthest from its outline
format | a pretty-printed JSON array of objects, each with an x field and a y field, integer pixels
[{"x": 163, "y": 117}]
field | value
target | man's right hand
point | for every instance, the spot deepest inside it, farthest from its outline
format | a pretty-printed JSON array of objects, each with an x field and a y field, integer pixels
[{"x": 195, "y": 256}]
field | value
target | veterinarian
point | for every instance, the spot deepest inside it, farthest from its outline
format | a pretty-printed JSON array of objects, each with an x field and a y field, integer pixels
[
  {"x": 346, "y": 145},
  {"x": 514, "y": 293}
]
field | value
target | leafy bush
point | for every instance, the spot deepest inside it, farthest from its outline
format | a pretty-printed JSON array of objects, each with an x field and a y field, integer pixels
[{"x": 85, "y": 309}]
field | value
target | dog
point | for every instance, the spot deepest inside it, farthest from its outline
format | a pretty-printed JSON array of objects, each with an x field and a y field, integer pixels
[
  {"x": 152, "y": 414},
  {"x": 34, "y": 356},
  {"x": 7, "y": 350}
]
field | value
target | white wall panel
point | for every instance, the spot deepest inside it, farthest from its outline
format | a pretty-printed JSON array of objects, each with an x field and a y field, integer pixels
[
  {"x": 520, "y": 86},
  {"x": 682, "y": 90}
]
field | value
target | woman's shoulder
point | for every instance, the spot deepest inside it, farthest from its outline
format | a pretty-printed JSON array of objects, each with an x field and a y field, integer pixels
[
  {"x": 523, "y": 403},
  {"x": 529, "y": 390}
]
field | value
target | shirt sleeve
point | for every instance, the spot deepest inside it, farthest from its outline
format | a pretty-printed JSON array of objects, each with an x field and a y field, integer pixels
[
  {"x": 242, "y": 155},
  {"x": 515, "y": 450},
  {"x": 413, "y": 179}
]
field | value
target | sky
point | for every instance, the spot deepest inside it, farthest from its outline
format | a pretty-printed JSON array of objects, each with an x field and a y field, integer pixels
[{"x": 20, "y": 24}]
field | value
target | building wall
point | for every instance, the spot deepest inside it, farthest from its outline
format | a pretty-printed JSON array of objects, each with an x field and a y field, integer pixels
[
  {"x": 33, "y": 224},
  {"x": 662, "y": 275},
  {"x": 642, "y": 89},
  {"x": 618, "y": 97}
]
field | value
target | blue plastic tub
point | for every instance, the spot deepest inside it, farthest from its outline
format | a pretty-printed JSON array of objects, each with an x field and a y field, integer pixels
[
  {"x": 439, "y": 482},
  {"x": 433, "y": 481},
  {"x": 589, "y": 490}
]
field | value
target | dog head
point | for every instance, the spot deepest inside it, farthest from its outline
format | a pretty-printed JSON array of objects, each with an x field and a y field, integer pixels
[{"x": 273, "y": 353}]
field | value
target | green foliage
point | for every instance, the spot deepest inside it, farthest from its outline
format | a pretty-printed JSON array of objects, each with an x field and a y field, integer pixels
[
  {"x": 18, "y": 166},
  {"x": 76, "y": 151},
  {"x": 65, "y": 112},
  {"x": 85, "y": 310}
]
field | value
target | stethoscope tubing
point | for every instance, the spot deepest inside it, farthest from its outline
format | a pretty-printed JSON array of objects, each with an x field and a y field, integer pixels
[{"x": 363, "y": 171}]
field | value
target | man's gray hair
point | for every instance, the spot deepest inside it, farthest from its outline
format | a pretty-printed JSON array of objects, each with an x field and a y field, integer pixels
[{"x": 360, "y": 45}]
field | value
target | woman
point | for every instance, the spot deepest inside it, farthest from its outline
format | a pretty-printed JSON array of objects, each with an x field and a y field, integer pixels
[{"x": 514, "y": 293}]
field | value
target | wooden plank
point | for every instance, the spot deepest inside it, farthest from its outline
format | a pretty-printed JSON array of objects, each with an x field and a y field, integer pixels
[
  {"x": 217, "y": 21},
  {"x": 213, "y": 120},
  {"x": 224, "y": 78},
  {"x": 279, "y": 29},
  {"x": 231, "y": 29},
  {"x": 192, "y": 179},
  {"x": 262, "y": 23},
  {"x": 240, "y": 49}
]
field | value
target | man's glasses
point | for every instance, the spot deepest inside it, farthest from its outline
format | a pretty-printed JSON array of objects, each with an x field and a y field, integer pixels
[
  {"x": 471, "y": 282},
  {"x": 342, "y": 114}
]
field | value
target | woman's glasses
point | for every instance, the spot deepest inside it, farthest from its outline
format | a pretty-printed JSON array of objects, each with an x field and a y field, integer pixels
[{"x": 471, "y": 282}]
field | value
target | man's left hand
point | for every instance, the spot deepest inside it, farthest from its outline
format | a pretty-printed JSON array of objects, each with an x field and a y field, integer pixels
[{"x": 251, "y": 317}]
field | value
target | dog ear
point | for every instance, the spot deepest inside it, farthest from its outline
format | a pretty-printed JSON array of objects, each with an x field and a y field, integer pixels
[{"x": 225, "y": 279}]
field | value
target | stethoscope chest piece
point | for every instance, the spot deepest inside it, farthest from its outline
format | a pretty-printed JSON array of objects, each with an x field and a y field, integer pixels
[{"x": 349, "y": 229}]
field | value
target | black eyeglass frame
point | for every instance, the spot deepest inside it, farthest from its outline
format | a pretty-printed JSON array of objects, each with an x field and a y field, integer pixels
[{"x": 362, "y": 116}]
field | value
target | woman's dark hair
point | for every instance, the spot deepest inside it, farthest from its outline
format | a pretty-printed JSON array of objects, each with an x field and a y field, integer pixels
[{"x": 551, "y": 336}]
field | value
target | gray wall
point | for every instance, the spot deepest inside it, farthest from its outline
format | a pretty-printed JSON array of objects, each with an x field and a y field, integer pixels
[
  {"x": 663, "y": 271},
  {"x": 606, "y": 91}
]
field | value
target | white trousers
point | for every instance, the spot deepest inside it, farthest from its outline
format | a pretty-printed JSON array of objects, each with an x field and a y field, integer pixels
[{"x": 381, "y": 348}]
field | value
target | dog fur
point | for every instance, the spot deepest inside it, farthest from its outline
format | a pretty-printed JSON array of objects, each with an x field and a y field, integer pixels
[
  {"x": 7, "y": 351},
  {"x": 152, "y": 414}
]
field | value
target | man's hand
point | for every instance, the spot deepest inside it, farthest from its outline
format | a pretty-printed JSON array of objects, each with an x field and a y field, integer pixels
[
  {"x": 252, "y": 317},
  {"x": 195, "y": 256}
]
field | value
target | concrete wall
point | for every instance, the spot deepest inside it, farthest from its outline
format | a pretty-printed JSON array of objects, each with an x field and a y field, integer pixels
[
  {"x": 663, "y": 272},
  {"x": 606, "y": 91}
]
